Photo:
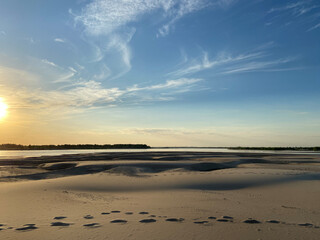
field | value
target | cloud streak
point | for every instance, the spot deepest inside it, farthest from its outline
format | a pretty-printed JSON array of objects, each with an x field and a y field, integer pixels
[
  {"x": 46, "y": 61},
  {"x": 314, "y": 27},
  {"x": 297, "y": 12},
  {"x": 59, "y": 40},
  {"x": 204, "y": 63},
  {"x": 169, "y": 84},
  {"x": 226, "y": 63},
  {"x": 259, "y": 66}
]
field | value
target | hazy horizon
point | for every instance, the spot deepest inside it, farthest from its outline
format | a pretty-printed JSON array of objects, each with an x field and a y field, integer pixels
[{"x": 164, "y": 73}]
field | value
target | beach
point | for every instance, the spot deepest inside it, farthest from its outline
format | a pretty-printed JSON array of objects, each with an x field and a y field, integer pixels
[{"x": 161, "y": 195}]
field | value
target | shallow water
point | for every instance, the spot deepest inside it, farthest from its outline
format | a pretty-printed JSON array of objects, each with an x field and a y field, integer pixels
[{"x": 38, "y": 153}]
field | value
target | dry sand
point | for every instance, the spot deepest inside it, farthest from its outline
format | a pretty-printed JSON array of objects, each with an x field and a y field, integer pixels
[{"x": 161, "y": 195}]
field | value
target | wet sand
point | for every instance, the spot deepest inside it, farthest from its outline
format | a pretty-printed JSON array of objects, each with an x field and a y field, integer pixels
[{"x": 161, "y": 195}]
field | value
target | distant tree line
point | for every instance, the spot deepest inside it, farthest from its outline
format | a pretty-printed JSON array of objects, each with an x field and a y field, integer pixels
[
  {"x": 278, "y": 148},
  {"x": 72, "y": 146}
]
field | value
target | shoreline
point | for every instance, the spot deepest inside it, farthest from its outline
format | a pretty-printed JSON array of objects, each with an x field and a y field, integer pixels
[{"x": 24, "y": 154}]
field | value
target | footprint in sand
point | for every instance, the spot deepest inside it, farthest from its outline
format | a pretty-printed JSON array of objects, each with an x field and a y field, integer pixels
[
  {"x": 152, "y": 216},
  {"x": 148, "y": 220},
  {"x": 305, "y": 224},
  {"x": 88, "y": 217},
  {"x": 251, "y": 221},
  {"x": 115, "y": 211},
  {"x": 27, "y": 227},
  {"x": 105, "y": 213},
  {"x": 273, "y": 221},
  {"x": 143, "y": 213},
  {"x": 225, "y": 219},
  {"x": 129, "y": 213},
  {"x": 2, "y": 225},
  {"x": 175, "y": 219},
  {"x": 60, "y": 224},
  {"x": 201, "y": 222},
  {"x": 59, "y": 217},
  {"x": 119, "y": 221},
  {"x": 92, "y": 225},
  {"x": 212, "y": 218}
]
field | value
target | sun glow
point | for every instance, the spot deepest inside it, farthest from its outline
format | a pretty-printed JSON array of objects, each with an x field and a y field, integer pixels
[{"x": 3, "y": 109}]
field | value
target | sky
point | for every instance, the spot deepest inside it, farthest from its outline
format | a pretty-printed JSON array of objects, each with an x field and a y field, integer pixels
[{"x": 160, "y": 72}]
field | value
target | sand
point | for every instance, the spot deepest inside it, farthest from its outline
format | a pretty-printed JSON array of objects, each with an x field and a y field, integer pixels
[{"x": 161, "y": 195}]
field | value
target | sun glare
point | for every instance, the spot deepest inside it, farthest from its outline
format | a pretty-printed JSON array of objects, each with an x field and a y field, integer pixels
[{"x": 3, "y": 109}]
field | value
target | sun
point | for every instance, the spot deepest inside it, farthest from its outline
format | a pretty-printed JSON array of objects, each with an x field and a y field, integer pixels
[{"x": 3, "y": 109}]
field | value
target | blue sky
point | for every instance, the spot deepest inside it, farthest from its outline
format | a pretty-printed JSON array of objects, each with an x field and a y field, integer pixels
[{"x": 165, "y": 73}]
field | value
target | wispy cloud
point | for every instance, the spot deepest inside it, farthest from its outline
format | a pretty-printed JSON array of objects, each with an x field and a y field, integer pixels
[
  {"x": 46, "y": 74},
  {"x": 204, "y": 63},
  {"x": 104, "y": 72},
  {"x": 102, "y": 17},
  {"x": 314, "y": 27},
  {"x": 91, "y": 93},
  {"x": 304, "y": 11},
  {"x": 72, "y": 69},
  {"x": 108, "y": 19},
  {"x": 80, "y": 94},
  {"x": 225, "y": 63},
  {"x": 258, "y": 66},
  {"x": 16, "y": 78},
  {"x": 46, "y": 61},
  {"x": 110, "y": 25},
  {"x": 121, "y": 44},
  {"x": 177, "y": 10},
  {"x": 297, "y": 8},
  {"x": 290, "y": 6},
  {"x": 59, "y": 40},
  {"x": 65, "y": 77},
  {"x": 78, "y": 66},
  {"x": 177, "y": 83}
]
